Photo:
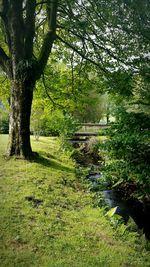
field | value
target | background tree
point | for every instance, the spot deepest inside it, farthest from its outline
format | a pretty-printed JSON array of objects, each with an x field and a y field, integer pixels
[{"x": 75, "y": 88}]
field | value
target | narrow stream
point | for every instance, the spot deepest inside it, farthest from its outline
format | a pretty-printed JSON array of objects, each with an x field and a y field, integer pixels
[{"x": 125, "y": 208}]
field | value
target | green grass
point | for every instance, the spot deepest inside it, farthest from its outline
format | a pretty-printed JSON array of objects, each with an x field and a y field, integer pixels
[{"x": 48, "y": 218}]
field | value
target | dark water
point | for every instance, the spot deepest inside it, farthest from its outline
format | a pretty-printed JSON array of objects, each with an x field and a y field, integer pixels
[
  {"x": 133, "y": 208},
  {"x": 126, "y": 208}
]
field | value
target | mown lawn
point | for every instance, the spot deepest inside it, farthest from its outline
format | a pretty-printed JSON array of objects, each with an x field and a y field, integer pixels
[{"x": 48, "y": 218}]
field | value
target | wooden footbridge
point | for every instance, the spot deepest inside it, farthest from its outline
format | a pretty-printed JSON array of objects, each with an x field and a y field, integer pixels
[{"x": 90, "y": 129}]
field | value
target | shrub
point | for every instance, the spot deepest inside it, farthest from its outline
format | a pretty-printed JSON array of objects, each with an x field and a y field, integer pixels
[
  {"x": 4, "y": 122},
  {"x": 128, "y": 147}
]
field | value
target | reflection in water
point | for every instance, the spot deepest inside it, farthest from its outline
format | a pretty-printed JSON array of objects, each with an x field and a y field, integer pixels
[{"x": 126, "y": 208}]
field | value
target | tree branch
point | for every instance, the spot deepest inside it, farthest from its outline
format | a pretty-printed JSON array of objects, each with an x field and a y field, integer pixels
[
  {"x": 48, "y": 95},
  {"x": 3, "y": 7},
  {"x": 29, "y": 27},
  {"x": 4, "y": 62},
  {"x": 45, "y": 87},
  {"x": 16, "y": 28},
  {"x": 4, "y": 15},
  {"x": 41, "y": 3},
  {"x": 140, "y": 102},
  {"x": 90, "y": 40},
  {"x": 49, "y": 37},
  {"x": 81, "y": 54}
]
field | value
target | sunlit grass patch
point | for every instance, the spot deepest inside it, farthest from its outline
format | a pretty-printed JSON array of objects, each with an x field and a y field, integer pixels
[{"x": 48, "y": 218}]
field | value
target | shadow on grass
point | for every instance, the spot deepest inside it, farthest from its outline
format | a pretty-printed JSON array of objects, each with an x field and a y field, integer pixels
[
  {"x": 47, "y": 155},
  {"x": 52, "y": 164},
  {"x": 53, "y": 138}
]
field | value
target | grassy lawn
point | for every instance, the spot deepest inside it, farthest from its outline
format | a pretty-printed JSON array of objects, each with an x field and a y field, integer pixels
[{"x": 48, "y": 218}]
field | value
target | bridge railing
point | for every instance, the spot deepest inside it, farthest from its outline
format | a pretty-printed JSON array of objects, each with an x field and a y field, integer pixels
[
  {"x": 90, "y": 128},
  {"x": 94, "y": 124}
]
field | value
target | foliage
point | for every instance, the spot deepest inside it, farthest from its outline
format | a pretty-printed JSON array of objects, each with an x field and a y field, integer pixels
[
  {"x": 68, "y": 125},
  {"x": 120, "y": 82},
  {"x": 48, "y": 218},
  {"x": 141, "y": 95},
  {"x": 36, "y": 118},
  {"x": 75, "y": 89},
  {"x": 114, "y": 34},
  {"x": 4, "y": 125},
  {"x": 4, "y": 121},
  {"x": 47, "y": 121},
  {"x": 128, "y": 146},
  {"x": 66, "y": 97},
  {"x": 4, "y": 92}
]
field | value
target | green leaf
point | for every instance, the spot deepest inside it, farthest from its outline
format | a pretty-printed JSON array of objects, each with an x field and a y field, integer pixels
[{"x": 111, "y": 212}]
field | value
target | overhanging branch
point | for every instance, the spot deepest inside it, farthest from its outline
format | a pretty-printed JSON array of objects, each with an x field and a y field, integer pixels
[
  {"x": 45, "y": 87},
  {"x": 41, "y": 3},
  {"x": 82, "y": 54},
  {"x": 48, "y": 95},
  {"x": 4, "y": 61},
  {"x": 49, "y": 37},
  {"x": 45, "y": 51}
]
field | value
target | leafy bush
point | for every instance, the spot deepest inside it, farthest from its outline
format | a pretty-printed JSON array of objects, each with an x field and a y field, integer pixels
[
  {"x": 128, "y": 147},
  {"x": 4, "y": 122},
  {"x": 59, "y": 124},
  {"x": 49, "y": 122}
]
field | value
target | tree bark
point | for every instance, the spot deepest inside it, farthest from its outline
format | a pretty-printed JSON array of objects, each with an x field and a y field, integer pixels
[{"x": 19, "y": 126}]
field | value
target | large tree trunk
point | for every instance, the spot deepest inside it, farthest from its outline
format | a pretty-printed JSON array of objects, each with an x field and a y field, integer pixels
[
  {"x": 19, "y": 126},
  {"x": 21, "y": 65}
]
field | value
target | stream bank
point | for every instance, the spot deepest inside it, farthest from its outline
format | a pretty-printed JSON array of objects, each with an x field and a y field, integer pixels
[{"x": 126, "y": 206}]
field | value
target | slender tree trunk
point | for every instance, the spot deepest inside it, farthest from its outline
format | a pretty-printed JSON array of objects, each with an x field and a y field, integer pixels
[
  {"x": 19, "y": 126},
  {"x": 107, "y": 115}
]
